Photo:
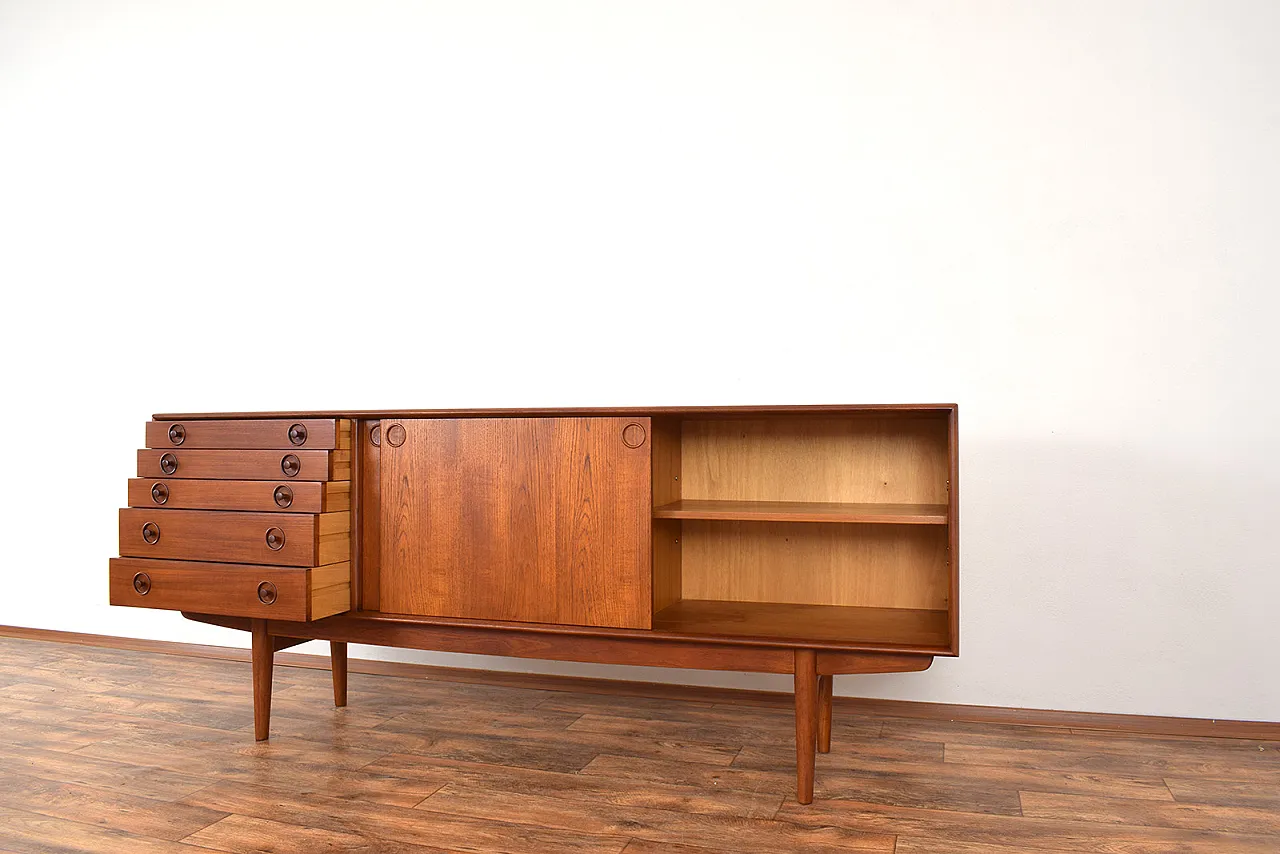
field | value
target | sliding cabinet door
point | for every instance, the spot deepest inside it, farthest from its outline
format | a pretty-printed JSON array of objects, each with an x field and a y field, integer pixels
[{"x": 533, "y": 519}]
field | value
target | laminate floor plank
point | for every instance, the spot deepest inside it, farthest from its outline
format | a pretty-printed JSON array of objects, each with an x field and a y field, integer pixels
[
  {"x": 23, "y": 832},
  {"x": 399, "y": 824},
  {"x": 757, "y": 836},
  {"x": 117, "y": 751},
  {"x": 1247, "y": 820},
  {"x": 113, "y": 809},
  {"x": 588, "y": 787}
]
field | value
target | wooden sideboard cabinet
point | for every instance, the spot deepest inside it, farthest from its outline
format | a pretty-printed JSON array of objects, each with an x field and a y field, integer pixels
[{"x": 807, "y": 540}]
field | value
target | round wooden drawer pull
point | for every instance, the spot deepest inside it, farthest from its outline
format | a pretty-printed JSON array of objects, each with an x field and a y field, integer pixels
[
  {"x": 290, "y": 465},
  {"x": 168, "y": 463},
  {"x": 142, "y": 583},
  {"x": 267, "y": 593},
  {"x": 298, "y": 434},
  {"x": 275, "y": 539},
  {"x": 151, "y": 533},
  {"x": 177, "y": 434},
  {"x": 283, "y": 496},
  {"x": 159, "y": 493}
]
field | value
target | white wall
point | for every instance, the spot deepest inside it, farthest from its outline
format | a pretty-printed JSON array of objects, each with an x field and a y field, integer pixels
[{"x": 1061, "y": 215}]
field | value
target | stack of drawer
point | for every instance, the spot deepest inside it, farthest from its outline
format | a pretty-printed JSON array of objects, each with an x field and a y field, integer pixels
[{"x": 243, "y": 518}]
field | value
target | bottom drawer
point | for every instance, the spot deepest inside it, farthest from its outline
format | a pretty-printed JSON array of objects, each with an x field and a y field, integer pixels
[{"x": 232, "y": 589}]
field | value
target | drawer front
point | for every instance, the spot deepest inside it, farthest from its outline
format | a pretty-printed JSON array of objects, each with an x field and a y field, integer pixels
[
  {"x": 321, "y": 434},
  {"x": 245, "y": 465},
  {"x": 277, "y": 539},
  {"x": 263, "y": 496},
  {"x": 232, "y": 590}
]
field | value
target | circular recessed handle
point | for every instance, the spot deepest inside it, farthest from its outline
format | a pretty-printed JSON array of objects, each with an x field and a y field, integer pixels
[
  {"x": 290, "y": 465},
  {"x": 159, "y": 493},
  {"x": 395, "y": 435},
  {"x": 375, "y": 435},
  {"x": 275, "y": 539},
  {"x": 142, "y": 583},
  {"x": 168, "y": 463},
  {"x": 177, "y": 434},
  {"x": 151, "y": 533},
  {"x": 283, "y": 496},
  {"x": 298, "y": 434},
  {"x": 633, "y": 435},
  {"x": 267, "y": 593}
]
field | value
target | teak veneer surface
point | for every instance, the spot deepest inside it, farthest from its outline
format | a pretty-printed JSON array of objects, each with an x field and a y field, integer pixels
[
  {"x": 818, "y": 410},
  {"x": 242, "y": 495},
  {"x": 259, "y": 433},
  {"x": 887, "y": 627},
  {"x": 537, "y": 519},
  {"x": 803, "y": 511}
]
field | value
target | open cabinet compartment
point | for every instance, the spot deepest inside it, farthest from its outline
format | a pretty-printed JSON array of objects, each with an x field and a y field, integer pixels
[{"x": 827, "y": 529}]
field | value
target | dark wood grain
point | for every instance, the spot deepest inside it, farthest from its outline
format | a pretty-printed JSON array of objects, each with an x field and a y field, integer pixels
[
  {"x": 804, "y": 511},
  {"x": 245, "y": 465},
  {"x": 247, "y": 495},
  {"x": 824, "y": 712},
  {"x": 370, "y": 490},
  {"x": 535, "y": 519},
  {"x": 263, "y": 661},
  {"x": 212, "y": 535},
  {"x": 338, "y": 657},
  {"x": 218, "y": 588},
  {"x": 902, "y": 627},
  {"x": 582, "y": 412},
  {"x": 806, "y": 691},
  {"x": 241, "y": 433}
]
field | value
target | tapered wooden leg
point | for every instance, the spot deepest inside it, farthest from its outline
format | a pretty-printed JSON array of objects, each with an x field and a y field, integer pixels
[
  {"x": 338, "y": 655},
  {"x": 263, "y": 658},
  {"x": 806, "y": 722},
  {"x": 824, "y": 713}
]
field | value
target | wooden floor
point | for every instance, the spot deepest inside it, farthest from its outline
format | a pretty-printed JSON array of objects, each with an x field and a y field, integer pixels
[{"x": 108, "y": 750}]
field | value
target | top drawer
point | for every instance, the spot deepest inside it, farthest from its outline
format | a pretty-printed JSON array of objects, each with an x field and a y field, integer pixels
[{"x": 319, "y": 434}]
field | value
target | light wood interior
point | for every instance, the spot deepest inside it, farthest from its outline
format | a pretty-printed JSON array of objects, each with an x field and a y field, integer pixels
[
  {"x": 831, "y": 528},
  {"x": 330, "y": 589},
  {"x": 879, "y": 459},
  {"x": 879, "y": 566}
]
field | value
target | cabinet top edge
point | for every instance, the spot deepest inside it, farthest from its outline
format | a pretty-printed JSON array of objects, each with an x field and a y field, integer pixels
[{"x": 637, "y": 411}]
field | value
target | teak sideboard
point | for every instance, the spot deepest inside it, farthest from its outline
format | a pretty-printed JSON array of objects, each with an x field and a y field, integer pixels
[{"x": 809, "y": 540}]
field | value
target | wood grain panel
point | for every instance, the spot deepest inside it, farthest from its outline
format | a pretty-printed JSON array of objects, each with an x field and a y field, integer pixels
[
  {"x": 215, "y": 588},
  {"x": 532, "y": 519},
  {"x": 900, "y": 627},
  {"x": 803, "y": 511},
  {"x": 370, "y": 486},
  {"x": 321, "y": 434},
  {"x": 889, "y": 566},
  {"x": 213, "y": 535},
  {"x": 879, "y": 459},
  {"x": 666, "y": 532},
  {"x": 248, "y": 495},
  {"x": 246, "y": 465}
]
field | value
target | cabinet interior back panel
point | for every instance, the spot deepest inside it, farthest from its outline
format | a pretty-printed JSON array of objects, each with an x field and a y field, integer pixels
[
  {"x": 877, "y": 459},
  {"x": 885, "y": 566}
]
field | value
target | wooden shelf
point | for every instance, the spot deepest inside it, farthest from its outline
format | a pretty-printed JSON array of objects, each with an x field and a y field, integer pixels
[
  {"x": 896, "y": 627},
  {"x": 804, "y": 511}
]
